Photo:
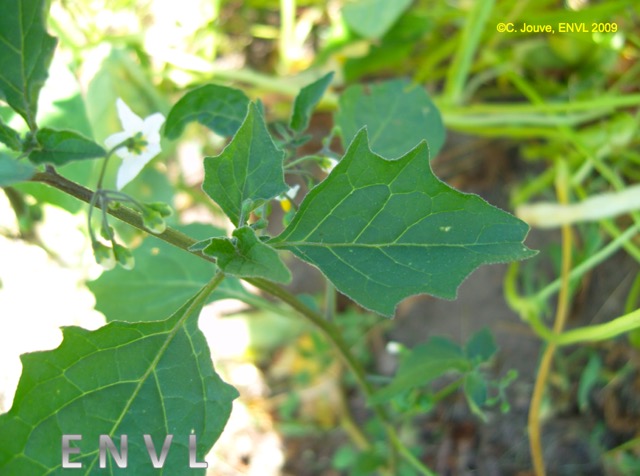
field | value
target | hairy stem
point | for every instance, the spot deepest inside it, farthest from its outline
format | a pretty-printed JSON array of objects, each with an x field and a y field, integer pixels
[{"x": 125, "y": 214}]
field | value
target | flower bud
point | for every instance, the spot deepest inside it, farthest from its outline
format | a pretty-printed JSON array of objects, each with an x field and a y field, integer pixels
[
  {"x": 124, "y": 257},
  {"x": 328, "y": 163},
  {"x": 260, "y": 224},
  {"x": 35, "y": 212},
  {"x": 162, "y": 208},
  {"x": 107, "y": 233},
  {"x": 104, "y": 255},
  {"x": 153, "y": 221}
]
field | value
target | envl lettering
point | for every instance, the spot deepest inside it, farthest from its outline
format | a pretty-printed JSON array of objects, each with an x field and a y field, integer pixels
[{"x": 120, "y": 456}]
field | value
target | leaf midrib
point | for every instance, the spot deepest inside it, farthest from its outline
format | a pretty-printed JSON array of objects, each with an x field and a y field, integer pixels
[
  {"x": 198, "y": 300},
  {"x": 301, "y": 244}
]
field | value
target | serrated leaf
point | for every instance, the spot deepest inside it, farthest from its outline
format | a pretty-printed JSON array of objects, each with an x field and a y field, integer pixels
[
  {"x": 59, "y": 147},
  {"x": 219, "y": 108},
  {"x": 382, "y": 230},
  {"x": 247, "y": 257},
  {"x": 423, "y": 364},
  {"x": 248, "y": 172},
  {"x": 163, "y": 278},
  {"x": 152, "y": 378},
  {"x": 26, "y": 50},
  {"x": 13, "y": 171},
  {"x": 373, "y": 18},
  {"x": 9, "y": 137},
  {"x": 398, "y": 115},
  {"x": 306, "y": 101},
  {"x": 481, "y": 346}
]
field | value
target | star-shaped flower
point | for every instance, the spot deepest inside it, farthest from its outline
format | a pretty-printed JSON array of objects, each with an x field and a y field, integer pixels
[
  {"x": 285, "y": 199},
  {"x": 144, "y": 144}
]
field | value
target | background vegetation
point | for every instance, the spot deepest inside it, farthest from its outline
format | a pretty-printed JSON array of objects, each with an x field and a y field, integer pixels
[{"x": 530, "y": 118}]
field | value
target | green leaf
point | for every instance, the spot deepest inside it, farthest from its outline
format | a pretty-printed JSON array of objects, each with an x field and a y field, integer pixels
[
  {"x": 9, "y": 137},
  {"x": 373, "y": 18},
  {"x": 382, "y": 230},
  {"x": 398, "y": 115},
  {"x": 589, "y": 378},
  {"x": 152, "y": 378},
  {"x": 247, "y": 257},
  {"x": 481, "y": 346},
  {"x": 219, "y": 108},
  {"x": 423, "y": 364},
  {"x": 248, "y": 172},
  {"x": 14, "y": 171},
  {"x": 163, "y": 278},
  {"x": 475, "y": 389},
  {"x": 26, "y": 50},
  {"x": 306, "y": 101},
  {"x": 61, "y": 147}
]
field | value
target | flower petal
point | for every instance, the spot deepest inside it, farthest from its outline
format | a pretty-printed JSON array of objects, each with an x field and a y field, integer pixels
[
  {"x": 151, "y": 127},
  {"x": 131, "y": 123},
  {"x": 131, "y": 167},
  {"x": 153, "y": 149},
  {"x": 292, "y": 192},
  {"x": 115, "y": 139}
]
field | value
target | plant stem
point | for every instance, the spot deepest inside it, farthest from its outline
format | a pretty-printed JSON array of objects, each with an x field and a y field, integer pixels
[
  {"x": 184, "y": 242},
  {"x": 447, "y": 390},
  {"x": 352, "y": 429},
  {"x": 598, "y": 332},
  {"x": 560, "y": 320},
  {"x": 287, "y": 37},
  {"x": 587, "y": 264},
  {"x": 332, "y": 333},
  {"x": 124, "y": 214},
  {"x": 459, "y": 70},
  {"x": 321, "y": 323},
  {"x": 329, "y": 301}
]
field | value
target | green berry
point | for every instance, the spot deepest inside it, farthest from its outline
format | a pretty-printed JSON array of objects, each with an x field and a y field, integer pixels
[
  {"x": 124, "y": 257},
  {"x": 162, "y": 208},
  {"x": 153, "y": 222},
  {"x": 104, "y": 255}
]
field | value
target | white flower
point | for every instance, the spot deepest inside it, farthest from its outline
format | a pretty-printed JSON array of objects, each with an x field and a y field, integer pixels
[
  {"x": 292, "y": 192},
  {"x": 144, "y": 147},
  {"x": 285, "y": 199}
]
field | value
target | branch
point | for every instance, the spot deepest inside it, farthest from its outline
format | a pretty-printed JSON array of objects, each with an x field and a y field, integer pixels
[{"x": 125, "y": 214}]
